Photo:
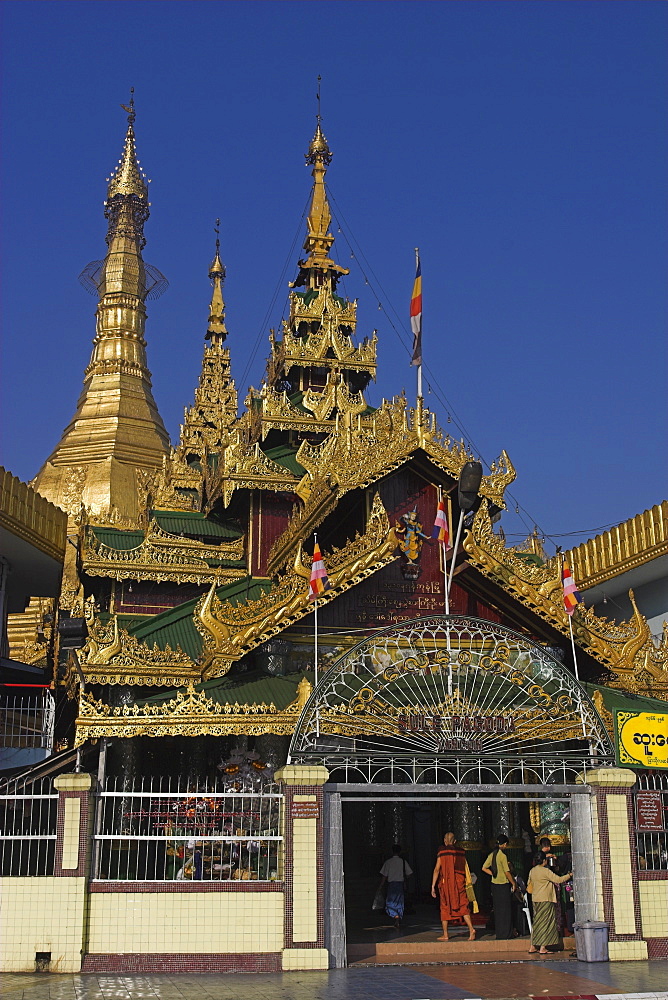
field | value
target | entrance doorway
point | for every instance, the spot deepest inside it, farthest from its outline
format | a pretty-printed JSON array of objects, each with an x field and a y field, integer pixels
[
  {"x": 446, "y": 723},
  {"x": 371, "y": 822}
]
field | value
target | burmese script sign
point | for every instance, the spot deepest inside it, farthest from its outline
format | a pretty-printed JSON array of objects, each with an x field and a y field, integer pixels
[
  {"x": 304, "y": 810},
  {"x": 641, "y": 739},
  {"x": 649, "y": 812}
]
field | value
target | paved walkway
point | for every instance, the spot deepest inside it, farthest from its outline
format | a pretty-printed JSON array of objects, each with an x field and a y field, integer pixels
[{"x": 565, "y": 980}]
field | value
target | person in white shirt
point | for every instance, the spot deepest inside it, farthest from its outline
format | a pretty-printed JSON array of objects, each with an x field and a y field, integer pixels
[{"x": 395, "y": 871}]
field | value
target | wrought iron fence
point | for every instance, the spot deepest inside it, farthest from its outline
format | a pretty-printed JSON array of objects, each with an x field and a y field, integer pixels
[
  {"x": 161, "y": 831},
  {"x": 27, "y": 720},
  {"x": 446, "y": 770},
  {"x": 28, "y": 814},
  {"x": 651, "y": 809}
]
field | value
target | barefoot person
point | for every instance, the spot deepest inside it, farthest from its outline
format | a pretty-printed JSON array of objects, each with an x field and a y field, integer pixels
[
  {"x": 453, "y": 878},
  {"x": 395, "y": 872}
]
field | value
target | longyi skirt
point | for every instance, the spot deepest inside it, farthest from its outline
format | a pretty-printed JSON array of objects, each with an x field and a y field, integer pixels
[{"x": 544, "y": 925}]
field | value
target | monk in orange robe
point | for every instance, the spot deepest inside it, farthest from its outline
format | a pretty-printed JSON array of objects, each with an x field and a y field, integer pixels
[{"x": 451, "y": 875}]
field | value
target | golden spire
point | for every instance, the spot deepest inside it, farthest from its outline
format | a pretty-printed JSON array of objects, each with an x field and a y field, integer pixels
[
  {"x": 216, "y": 331},
  {"x": 128, "y": 177},
  {"x": 206, "y": 426},
  {"x": 318, "y": 240},
  {"x": 116, "y": 435}
]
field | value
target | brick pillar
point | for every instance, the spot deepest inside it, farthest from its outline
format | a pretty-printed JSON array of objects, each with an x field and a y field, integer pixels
[
  {"x": 616, "y": 860},
  {"x": 303, "y": 867},
  {"x": 74, "y": 824}
]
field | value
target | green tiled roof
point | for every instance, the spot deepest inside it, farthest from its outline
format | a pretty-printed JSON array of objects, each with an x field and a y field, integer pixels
[
  {"x": 175, "y": 627},
  {"x": 117, "y": 539},
  {"x": 285, "y": 455},
  {"x": 626, "y": 701},
  {"x": 253, "y": 688},
  {"x": 194, "y": 523}
]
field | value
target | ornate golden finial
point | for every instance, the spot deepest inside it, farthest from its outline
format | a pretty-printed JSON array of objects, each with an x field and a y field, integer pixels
[
  {"x": 131, "y": 108},
  {"x": 128, "y": 178},
  {"x": 217, "y": 266},
  {"x": 319, "y": 240},
  {"x": 319, "y": 150},
  {"x": 216, "y": 330}
]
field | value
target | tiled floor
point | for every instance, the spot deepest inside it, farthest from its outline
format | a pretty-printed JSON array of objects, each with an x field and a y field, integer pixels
[{"x": 443, "y": 982}]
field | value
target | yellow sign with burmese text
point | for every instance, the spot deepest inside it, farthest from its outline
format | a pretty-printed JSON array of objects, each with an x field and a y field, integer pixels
[{"x": 641, "y": 739}]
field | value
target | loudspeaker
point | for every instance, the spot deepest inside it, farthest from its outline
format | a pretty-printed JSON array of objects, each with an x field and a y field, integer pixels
[{"x": 469, "y": 483}]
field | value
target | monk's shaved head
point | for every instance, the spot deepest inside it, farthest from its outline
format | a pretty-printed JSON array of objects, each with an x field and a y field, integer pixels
[{"x": 449, "y": 839}]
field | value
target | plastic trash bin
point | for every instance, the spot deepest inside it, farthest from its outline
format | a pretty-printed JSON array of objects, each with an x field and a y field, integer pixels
[{"x": 591, "y": 941}]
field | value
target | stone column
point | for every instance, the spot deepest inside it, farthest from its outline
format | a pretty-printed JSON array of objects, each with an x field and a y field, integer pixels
[
  {"x": 303, "y": 866},
  {"x": 615, "y": 861},
  {"x": 468, "y": 829},
  {"x": 335, "y": 902}
]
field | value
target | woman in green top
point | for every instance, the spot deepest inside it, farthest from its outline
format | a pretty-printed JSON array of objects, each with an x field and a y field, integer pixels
[
  {"x": 503, "y": 884},
  {"x": 541, "y": 886}
]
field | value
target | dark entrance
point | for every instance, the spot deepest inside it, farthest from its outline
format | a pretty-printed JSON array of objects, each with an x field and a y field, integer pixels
[
  {"x": 438, "y": 724},
  {"x": 418, "y": 821}
]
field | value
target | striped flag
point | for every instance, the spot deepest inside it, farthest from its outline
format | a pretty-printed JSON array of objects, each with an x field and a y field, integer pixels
[
  {"x": 318, "y": 583},
  {"x": 441, "y": 532},
  {"x": 571, "y": 595},
  {"x": 416, "y": 315}
]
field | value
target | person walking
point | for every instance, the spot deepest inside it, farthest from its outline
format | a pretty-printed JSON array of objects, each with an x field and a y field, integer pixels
[
  {"x": 542, "y": 881},
  {"x": 395, "y": 871},
  {"x": 503, "y": 886},
  {"x": 452, "y": 877}
]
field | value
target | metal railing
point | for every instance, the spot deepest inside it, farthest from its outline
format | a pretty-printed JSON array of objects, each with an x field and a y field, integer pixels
[
  {"x": 28, "y": 814},
  {"x": 651, "y": 810},
  {"x": 160, "y": 831},
  {"x": 433, "y": 770},
  {"x": 27, "y": 720}
]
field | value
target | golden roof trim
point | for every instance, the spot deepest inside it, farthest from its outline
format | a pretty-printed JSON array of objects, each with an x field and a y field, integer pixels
[
  {"x": 367, "y": 448},
  {"x": 627, "y": 649},
  {"x": 228, "y": 632},
  {"x": 627, "y": 545},
  {"x": 32, "y": 517},
  {"x": 189, "y": 713},
  {"x": 161, "y": 556},
  {"x": 112, "y": 656}
]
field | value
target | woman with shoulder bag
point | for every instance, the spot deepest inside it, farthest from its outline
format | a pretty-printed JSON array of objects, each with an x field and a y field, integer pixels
[{"x": 503, "y": 886}]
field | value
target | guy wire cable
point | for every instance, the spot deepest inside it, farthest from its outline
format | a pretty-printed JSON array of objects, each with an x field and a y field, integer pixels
[
  {"x": 358, "y": 254},
  {"x": 262, "y": 330}
]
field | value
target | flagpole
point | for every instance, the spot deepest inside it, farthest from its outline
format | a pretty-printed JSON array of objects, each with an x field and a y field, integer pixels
[
  {"x": 419, "y": 367},
  {"x": 315, "y": 633},
  {"x": 575, "y": 658},
  {"x": 454, "y": 551},
  {"x": 444, "y": 551},
  {"x": 315, "y": 649}
]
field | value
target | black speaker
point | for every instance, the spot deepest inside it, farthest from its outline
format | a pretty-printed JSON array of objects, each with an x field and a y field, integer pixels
[{"x": 469, "y": 483}]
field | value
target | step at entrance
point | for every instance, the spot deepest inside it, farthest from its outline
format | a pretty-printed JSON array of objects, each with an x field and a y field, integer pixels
[{"x": 422, "y": 948}]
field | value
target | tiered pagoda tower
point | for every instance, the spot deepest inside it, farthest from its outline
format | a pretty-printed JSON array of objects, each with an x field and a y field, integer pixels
[{"x": 116, "y": 435}]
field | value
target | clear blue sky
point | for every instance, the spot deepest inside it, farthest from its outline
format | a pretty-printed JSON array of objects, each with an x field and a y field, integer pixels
[{"x": 521, "y": 145}]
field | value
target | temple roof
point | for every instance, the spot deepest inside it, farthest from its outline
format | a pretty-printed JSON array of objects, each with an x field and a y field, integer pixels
[
  {"x": 176, "y": 627},
  {"x": 252, "y": 688}
]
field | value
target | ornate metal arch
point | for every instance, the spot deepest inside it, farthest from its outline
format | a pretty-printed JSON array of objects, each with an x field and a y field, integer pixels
[{"x": 450, "y": 689}]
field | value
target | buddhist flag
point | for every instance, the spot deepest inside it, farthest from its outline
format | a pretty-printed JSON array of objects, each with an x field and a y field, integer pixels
[
  {"x": 318, "y": 583},
  {"x": 571, "y": 596},
  {"x": 440, "y": 531},
  {"x": 416, "y": 315}
]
